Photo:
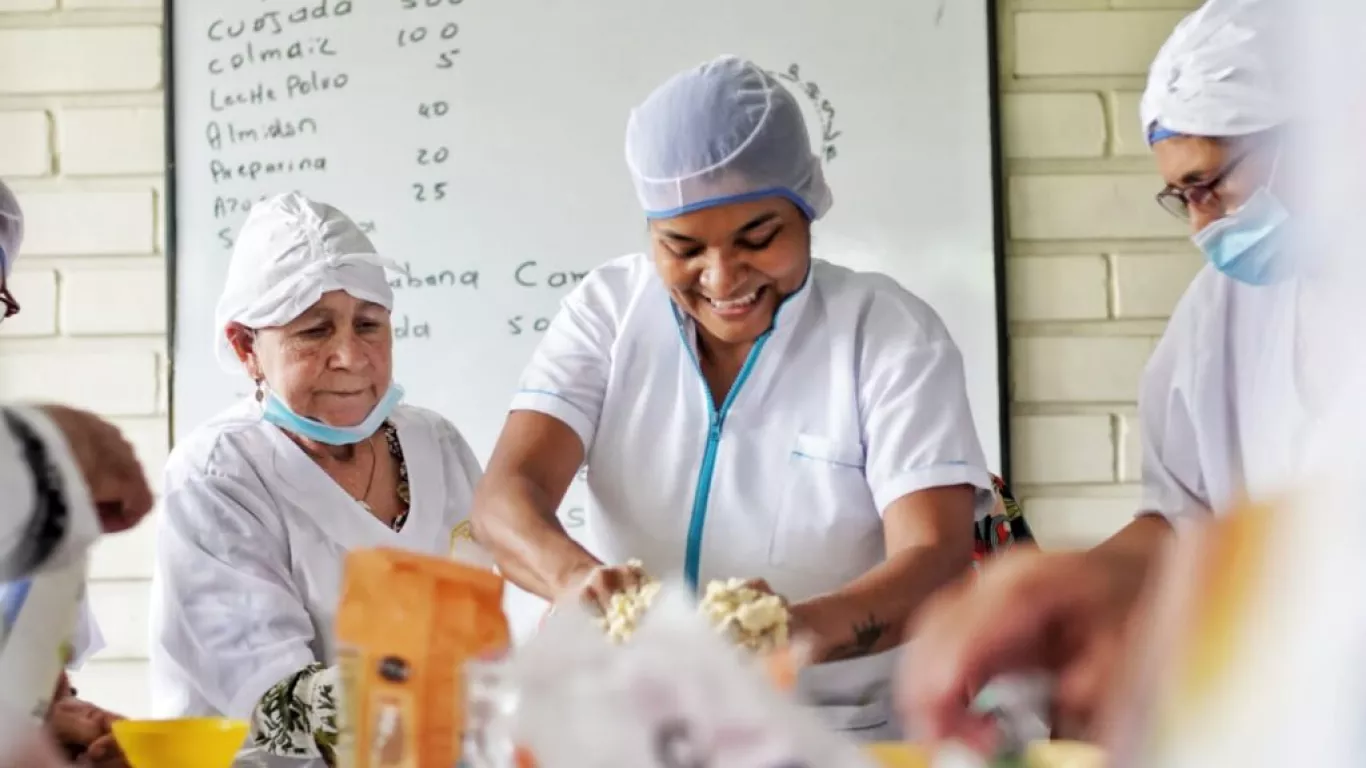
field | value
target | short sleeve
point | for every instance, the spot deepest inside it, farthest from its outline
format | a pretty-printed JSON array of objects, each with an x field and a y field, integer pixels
[
  {"x": 918, "y": 428},
  {"x": 567, "y": 376},
  {"x": 227, "y": 623},
  {"x": 1173, "y": 473}
]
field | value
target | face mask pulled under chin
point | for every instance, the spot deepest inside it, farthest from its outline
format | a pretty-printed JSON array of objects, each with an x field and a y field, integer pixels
[{"x": 275, "y": 411}]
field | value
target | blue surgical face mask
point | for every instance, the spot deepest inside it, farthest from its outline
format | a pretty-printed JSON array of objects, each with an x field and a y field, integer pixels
[
  {"x": 279, "y": 414},
  {"x": 1248, "y": 244}
]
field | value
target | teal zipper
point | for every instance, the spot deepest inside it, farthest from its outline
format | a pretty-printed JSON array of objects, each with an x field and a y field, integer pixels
[{"x": 692, "y": 559}]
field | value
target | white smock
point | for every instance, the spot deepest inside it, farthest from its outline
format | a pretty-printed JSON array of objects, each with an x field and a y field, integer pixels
[
  {"x": 854, "y": 399},
  {"x": 250, "y": 546},
  {"x": 1222, "y": 410}
]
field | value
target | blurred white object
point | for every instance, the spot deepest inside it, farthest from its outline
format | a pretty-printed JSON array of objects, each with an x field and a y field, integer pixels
[
  {"x": 1020, "y": 704},
  {"x": 954, "y": 755},
  {"x": 677, "y": 694},
  {"x": 39, "y": 620}
]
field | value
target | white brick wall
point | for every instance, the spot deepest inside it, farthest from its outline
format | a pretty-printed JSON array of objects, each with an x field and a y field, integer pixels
[
  {"x": 1094, "y": 267},
  {"x": 81, "y": 143}
]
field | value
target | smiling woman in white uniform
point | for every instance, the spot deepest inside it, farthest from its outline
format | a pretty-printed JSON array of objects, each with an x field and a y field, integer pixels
[
  {"x": 744, "y": 410},
  {"x": 263, "y": 502}
]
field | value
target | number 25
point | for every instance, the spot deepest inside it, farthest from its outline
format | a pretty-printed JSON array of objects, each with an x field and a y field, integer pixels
[{"x": 437, "y": 192}]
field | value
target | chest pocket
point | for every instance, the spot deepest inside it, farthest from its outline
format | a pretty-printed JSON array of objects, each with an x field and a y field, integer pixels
[{"x": 827, "y": 522}]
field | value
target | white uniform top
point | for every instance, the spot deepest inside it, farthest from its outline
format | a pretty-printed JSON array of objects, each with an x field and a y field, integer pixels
[
  {"x": 16, "y": 482},
  {"x": 250, "y": 547},
  {"x": 855, "y": 398},
  {"x": 1221, "y": 408}
]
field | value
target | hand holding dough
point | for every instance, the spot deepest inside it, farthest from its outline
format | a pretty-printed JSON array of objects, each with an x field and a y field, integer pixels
[
  {"x": 751, "y": 617},
  {"x": 625, "y": 607},
  {"x": 744, "y": 611}
]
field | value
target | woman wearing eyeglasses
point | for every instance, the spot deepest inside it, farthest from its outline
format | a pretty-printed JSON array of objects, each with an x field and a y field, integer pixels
[{"x": 1219, "y": 404}]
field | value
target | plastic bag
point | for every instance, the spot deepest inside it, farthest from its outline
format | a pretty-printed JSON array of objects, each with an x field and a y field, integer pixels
[{"x": 676, "y": 696}]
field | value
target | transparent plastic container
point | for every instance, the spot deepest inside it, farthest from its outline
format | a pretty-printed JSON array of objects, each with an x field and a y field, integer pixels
[{"x": 490, "y": 703}]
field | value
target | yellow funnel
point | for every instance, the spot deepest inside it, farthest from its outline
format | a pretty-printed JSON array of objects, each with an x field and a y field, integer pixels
[
  {"x": 192, "y": 743},
  {"x": 891, "y": 754}
]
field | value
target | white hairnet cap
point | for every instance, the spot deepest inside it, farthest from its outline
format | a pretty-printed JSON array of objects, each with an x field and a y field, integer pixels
[
  {"x": 289, "y": 252},
  {"x": 11, "y": 228},
  {"x": 722, "y": 132},
  {"x": 1220, "y": 73}
]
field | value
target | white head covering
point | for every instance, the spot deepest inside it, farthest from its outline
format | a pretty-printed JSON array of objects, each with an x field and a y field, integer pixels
[
  {"x": 722, "y": 132},
  {"x": 1220, "y": 73},
  {"x": 290, "y": 251},
  {"x": 11, "y": 229}
]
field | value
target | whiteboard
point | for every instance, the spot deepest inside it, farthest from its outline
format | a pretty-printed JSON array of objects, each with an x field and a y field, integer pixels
[{"x": 480, "y": 142}]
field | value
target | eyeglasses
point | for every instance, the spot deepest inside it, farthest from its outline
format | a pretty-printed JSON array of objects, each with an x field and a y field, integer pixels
[
  {"x": 1178, "y": 200},
  {"x": 11, "y": 307}
]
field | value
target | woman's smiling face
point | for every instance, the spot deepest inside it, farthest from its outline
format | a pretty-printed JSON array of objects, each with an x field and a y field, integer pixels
[{"x": 731, "y": 265}]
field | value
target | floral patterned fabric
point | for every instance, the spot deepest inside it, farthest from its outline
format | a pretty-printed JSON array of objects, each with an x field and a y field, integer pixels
[
  {"x": 298, "y": 716},
  {"x": 1003, "y": 528}
]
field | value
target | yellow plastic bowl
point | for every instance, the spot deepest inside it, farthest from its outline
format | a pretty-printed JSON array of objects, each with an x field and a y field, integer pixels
[
  {"x": 191, "y": 743},
  {"x": 895, "y": 754}
]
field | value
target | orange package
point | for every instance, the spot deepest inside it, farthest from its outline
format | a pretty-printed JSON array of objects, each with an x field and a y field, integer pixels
[{"x": 406, "y": 625}]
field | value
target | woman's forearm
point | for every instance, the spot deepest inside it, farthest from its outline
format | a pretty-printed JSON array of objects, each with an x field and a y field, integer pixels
[
  {"x": 1129, "y": 555},
  {"x": 516, "y": 521},
  {"x": 869, "y": 615},
  {"x": 929, "y": 543}
]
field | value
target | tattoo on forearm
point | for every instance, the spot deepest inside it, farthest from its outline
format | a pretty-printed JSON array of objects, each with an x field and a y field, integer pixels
[{"x": 866, "y": 636}]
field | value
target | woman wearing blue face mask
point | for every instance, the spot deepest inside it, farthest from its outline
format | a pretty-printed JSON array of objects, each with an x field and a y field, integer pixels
[
  {"x": 1223, "y": 404},
  {"x": 263, "y": 502}
]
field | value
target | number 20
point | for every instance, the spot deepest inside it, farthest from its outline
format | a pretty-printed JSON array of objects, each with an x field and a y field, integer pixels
[{"x": 433, "y": 157}]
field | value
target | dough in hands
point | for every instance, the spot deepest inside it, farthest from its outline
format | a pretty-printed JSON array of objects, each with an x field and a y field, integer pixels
[
  {"x": 750, "y": 618},
  {"x": 625, "y": 608}
]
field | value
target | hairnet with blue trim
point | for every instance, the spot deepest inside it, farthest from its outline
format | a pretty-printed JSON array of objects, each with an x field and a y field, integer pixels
[
  {"x": 723, "y": 132},
  {"x": 11, "y": 229},
  {"x": 1220, "y": 74}
]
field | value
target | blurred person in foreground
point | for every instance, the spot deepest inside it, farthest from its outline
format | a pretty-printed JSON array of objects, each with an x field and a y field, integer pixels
[
  {"x": 54, "y": 462},
  {"x": 1251, "y": 639},
  {"x": 1221, "y": 406}
]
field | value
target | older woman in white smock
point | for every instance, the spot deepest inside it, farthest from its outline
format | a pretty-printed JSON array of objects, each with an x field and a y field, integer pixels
[{"x": 263, "y": 502}]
